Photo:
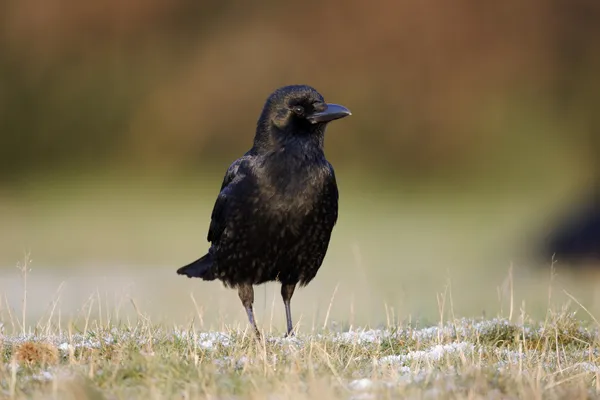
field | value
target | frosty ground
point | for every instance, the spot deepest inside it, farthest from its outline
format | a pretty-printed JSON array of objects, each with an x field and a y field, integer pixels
[{"x": 493, "y": 359}]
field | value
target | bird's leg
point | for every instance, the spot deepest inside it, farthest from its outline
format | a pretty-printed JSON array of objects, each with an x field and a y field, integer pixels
[
  {"x": 246, "y": 293},
  {"x": 287, "y": 291}
]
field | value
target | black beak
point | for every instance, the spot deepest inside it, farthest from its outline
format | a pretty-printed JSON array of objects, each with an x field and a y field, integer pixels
[{"x": 332, "y": 112}]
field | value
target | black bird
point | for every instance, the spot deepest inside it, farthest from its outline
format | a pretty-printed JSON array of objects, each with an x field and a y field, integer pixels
[{"x": 273, "y": 218}]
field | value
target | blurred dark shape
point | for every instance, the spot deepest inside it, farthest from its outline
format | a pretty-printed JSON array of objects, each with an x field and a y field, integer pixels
[
  {"x": 278, "y": 204},
  {"x": 576, "y": 238}
]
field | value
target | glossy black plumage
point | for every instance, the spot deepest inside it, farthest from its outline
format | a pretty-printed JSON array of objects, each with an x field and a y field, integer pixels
[{"x": 278, "y": 204}]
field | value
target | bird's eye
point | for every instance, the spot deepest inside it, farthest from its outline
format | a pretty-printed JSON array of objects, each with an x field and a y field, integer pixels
[{"x": 298, "y": 110}]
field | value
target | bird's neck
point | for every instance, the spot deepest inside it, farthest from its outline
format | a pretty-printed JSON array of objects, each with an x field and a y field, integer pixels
[
  {"x": 282, "y": 146},
  {"x": 292, "y": 164}
]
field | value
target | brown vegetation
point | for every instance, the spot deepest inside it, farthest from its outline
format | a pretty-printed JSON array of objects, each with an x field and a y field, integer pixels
[
  {"x": 38, "y": 353},
  {"x": 435, "y": 83}
]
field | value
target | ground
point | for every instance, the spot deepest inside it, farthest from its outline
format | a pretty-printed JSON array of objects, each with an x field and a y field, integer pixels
[
  {"x": 417, "y": 299},
  {"x": 487, "y": 358}
]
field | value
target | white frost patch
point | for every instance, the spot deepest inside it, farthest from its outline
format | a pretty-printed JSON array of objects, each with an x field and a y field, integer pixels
[
  {"x": 364, "y": 389},
  {"x": 205, "y": 340},
  {"x": 461, "y": 328},
  {"x": 363, "y": 396},
  {"x": 367, "y": 386},
  {"x": 228, "y": 361},
  {"x": 64, "y": 347},
  {"x": 289, "y": 340},
  {"x": 361, "y": 384},
  {"x": 429, "y": 333},
  {"x": 589, "y": 367},
  {"x": 13, "y": 366},
  {"x": 456, "y": 330},
  {"x": 43, "y": 376},
  {"x": 404, "y": 370},
  {"x": 243, "y": 360},
  {"x": 434, "y": 353},
  {"x": 509, "y": 357},
  {"x": 362, "y": 336},
  {"x": 209, "y": 340}
]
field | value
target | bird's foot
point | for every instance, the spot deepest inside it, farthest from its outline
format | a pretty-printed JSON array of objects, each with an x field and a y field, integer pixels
[{"x": 290, "y": 334}]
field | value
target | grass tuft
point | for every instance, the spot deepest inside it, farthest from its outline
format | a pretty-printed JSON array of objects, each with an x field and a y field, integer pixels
[{"x": 36, "y": 353}]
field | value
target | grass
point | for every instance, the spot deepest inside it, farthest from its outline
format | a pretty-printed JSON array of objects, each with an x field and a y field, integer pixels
[
  {"x": 370, "y": 326},
  {"x": 104, "y": 357},
  {"x": 460, "y": 359}
]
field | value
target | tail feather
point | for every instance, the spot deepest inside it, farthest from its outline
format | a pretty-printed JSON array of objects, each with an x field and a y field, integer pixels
[{"x": 201, "y": 268}]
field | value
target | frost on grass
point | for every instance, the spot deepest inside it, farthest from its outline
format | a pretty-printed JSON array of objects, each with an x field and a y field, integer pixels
[
  {"x": 495, "y": 331},
  {"x": 434, "y": 353},
  {"x": 361, "y": 384},
  {"x": 204, "y": 340},
  {"x": 365, "y": 362},
  {"x": 363, "y": 336}
]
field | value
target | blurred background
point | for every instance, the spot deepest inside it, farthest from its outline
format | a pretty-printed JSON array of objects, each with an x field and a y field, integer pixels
[{"x": 471, "y": 156}]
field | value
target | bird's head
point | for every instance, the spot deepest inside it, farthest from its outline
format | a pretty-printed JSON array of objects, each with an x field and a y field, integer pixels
[{"x": 297, "y": 111}]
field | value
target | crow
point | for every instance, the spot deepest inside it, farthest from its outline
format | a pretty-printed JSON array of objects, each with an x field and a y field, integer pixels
[{"x": 278, "y": 204}]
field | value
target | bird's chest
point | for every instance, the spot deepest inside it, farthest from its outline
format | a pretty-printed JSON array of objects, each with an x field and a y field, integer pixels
[{"x": 292, "y": 191}]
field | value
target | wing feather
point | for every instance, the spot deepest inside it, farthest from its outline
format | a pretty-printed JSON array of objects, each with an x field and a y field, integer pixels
[{"x": 218, "y": 218}]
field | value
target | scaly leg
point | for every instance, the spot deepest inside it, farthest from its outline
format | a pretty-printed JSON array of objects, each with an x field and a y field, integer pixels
[
  {"x": 246, "y": 293},
  {"x": 287, "y": 291}
]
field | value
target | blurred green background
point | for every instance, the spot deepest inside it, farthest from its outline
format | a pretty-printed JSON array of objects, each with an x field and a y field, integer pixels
[{"x": 474, "y": 128}]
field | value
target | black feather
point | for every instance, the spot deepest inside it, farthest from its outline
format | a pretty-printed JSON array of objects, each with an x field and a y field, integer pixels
[
  {"x": 278, "y": 204},
  {"x": 200, "y": 268}
]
